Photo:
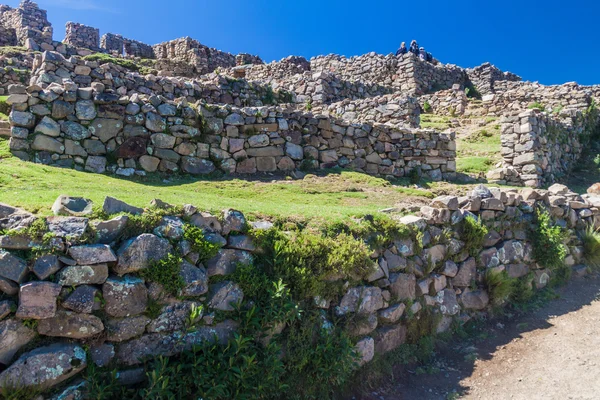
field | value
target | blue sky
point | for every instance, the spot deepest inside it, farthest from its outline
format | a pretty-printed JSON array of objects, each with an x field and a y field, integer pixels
[{"x": 548, "y": 41}]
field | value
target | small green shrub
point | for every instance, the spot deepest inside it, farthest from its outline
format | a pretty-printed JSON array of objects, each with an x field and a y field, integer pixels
[
  {"x": 166, "y": 272},
  {"x": 414, "y": 176},
  {"x": 537, "y": 105},
  {"x": 547, "y": 240},
  {"x": 200, "y": 245},
  {"x": 472, "y": 93},
  {"x": 499, "y": 286},
  {"x": 5, "y": 108},
  {"x": 143, "y": 223},
  {"x": 105, "y": 58},
  {"x": 522, "y": 291},
  {"x": 305, "y": 260},
  {"x": 308, "y": 105},
  {"x": 241, "y": 369},
  {"x": 473, "y": 234},
  {"x": 427, "y": 107},
  {"x": 591, "y": 247},
  {"x": 319, "y": 357}
]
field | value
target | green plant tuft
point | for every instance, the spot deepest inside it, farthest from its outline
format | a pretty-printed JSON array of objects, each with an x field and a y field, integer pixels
[
  {"x": 547, "y": 239},
  {"x": 499, "y": 286},
  {"x": 166, "y": 272},
  {"x": 205, "y": 249},
  {"x": 591, "y": 247},
  {"x": 473, "y": 234}
]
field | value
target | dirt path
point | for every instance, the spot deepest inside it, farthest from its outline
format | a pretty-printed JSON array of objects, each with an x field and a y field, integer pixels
[{"x": 553, "y": 353}]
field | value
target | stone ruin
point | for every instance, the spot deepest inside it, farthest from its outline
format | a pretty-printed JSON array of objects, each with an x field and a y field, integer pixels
[
  {"x": 27, "y": 22},
  {"x": 80, "y": 35}
]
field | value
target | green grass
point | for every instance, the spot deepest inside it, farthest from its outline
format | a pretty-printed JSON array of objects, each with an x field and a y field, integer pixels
[
  {"x": 3, "y": 106},
  {"x": 105, "y": 58},
  {"x": 478, "y": 152},
  {"x": 435, "y": 121},
  {"x": 332, "y": 196}
]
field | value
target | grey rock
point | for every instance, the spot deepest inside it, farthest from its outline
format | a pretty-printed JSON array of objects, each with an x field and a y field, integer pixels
[
  {"x": 81, "y": 300},
  {"x": 46, "y": 143},
  {"x": 156, "y": 344},
  {"x": 362, "y": 300},
  {"x": 172, "y": 318},
  {"x": 48, "y": 127},
  {"x": 102, "y": 354},
  {"x": 124, "y": 297},
  {"x": 167, "y": 110},
  {"x": 121, "y": 330},
  {"x": 241, "y": 242},
  {"x": 75, "y": 131},
  {"x": 22, "y": 119},
  {"x": 13, "y": 336},
  {"x": 109, "y": 231},
  {"x": 113, "y": 206},
  {"x": 195, "y": 279},
  {"x": 96, "y": 164},
  {"x": 233, "y": 221},
  {"x": 235, "y": 119},
  {"x": 403, "y": 286},
  {"x": 226, "y": 261},
  {"x": 68, "y": 227},
  {"x": 362, "y": 326},
  {"x": 197, "y": 166},
  {"x": 76, "y": 275},
  {"x": 105, "y": 128},
  {"x": 70, "y": 325},
  {"x": 446, "y": 299},
  {"x": 45, "y": 266},
  {"x": 155, "y": 122},
  {"x": 224, "y": 295},
  {"x": 6, "y": 308},
  {"x": 92, "y": 254},
  {"x": 170, "y": 228},
  {"x": 365, "y": 349},
  {"x": 13, "y": 268},
  {"x": 45, "y": 367},
  {"x": 138, "y": 253},
  {"x": 85, "y": 110},
  {"x": 72, "y": 206},
  {"x": 37, "y": 300},
  {"x": 466, "y": 273},
  {"x": 389, "y": 338},
  {"x": 392, "y": 314},
  {"x": 474, "y": 299}
]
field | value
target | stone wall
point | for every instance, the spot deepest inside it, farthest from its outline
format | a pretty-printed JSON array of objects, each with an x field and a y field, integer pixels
[
  {"x": 8, "y": 36},
  {"x": 202, "y": 58},
  {"x": 539, "y": 148},
  {"x": 89, "y": 288},
  {"x": 99, "y": 131},
  {"x": 29, "y": 22},
  {"x": 11, "y": 76},
  {"x": 451, "y": 102},
  {"x": 120, "y": 46},
  {"x": 80, "y": 35},
  {"x": 396, "y": 110},
  {"x": 485, "y": 76},
  {"x": 247, "y": 59}
]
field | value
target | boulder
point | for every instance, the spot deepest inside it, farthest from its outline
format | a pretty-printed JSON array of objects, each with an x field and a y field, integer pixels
[
  {"x": 72, "y": 206},
  {"x": 13, "y": 268},
  {"x": 224, "y": 295},
  {"x": 389, "y": 338},
  {"x": 70, "y": 325},
  {"x": 45, "y": 367},
  {"x": 392, "y": 314},
  {"x": 233, "y": 221},
  {"x": 113, "y": 206},
  {"x": 226, "y": 261},
  {"x": 124, "y": 297},
  {"x": 172, "y": 318},
  {"x": 92, "y": 254},
  {"x": 81, "y": 300},
  {"x": 45, "y": 266},
  {"x": 474, "y": 299},
  {"x": 138, "y": 253},
  {"x": 102, "y": 354},
  {"x": 68, "y": 227},
  {"x": 120, "y": 330},
  {"x": 194, "y": 278},
  {"x": 37, "y": 300},
  {"x": 403, "y": 286},
  {"x": 466, "y": 273},
  {"x": 109, "y": 231},
  {"x": 75, "y": 275},
  {"x": 365, "y": 349},
  {"x": 13, "y": 336},
  {"x": 446, "y": 300},
  {"x": 363, "y": 300}
]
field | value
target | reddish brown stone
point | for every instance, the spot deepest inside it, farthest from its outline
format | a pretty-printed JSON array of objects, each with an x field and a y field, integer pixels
[{"x": 132, "y": 148}]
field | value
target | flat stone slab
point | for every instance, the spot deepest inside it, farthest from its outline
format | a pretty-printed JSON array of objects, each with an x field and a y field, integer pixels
[{"x": 37, "y": 300}]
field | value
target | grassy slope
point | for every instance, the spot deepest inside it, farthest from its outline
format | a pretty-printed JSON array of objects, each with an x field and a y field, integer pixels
[
  {"x": 337, "y": 195},
  {"x": 3, "y": 116},
  {"x": 479, "y": 152}
]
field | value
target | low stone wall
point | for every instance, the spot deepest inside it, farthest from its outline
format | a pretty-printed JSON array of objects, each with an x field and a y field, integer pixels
[
  {"x": 485, "y": 77},
  {"x": 86, "y": 281},
  {"x": 8, "y": 36},
  {"x": 10, "y": 76},
  {"x": 98, "y": 131},
  {"x": 396, "y": 110},
  {"x": 29, "y": 22},
  {"x": 539, "y": 148},
  {"x": 450, "y": 102},
  {"x": 120, "y": 46},
  {"x": 80, "y": 35}
]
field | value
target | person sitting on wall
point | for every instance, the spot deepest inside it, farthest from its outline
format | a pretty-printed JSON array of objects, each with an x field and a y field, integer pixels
[
  {"x": 414, "y": 48},
  {"x": 402, "y": 50},
  {"x": 429, "y": 57},
  {"x": 422, "y": 54}
]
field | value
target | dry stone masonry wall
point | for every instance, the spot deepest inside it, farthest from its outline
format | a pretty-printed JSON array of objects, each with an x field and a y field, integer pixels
[
  {"x": 89, "y": 297},
  {"x": 120, "y": 46},
  {"x": 80, "y": 35},
  {"x": 28, "y": 22}
]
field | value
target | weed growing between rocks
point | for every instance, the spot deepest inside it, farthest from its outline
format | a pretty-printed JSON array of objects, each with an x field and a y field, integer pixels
[
  {"x": 591, "y": 247},
  {"x": 167, "y": 273},
  {"x": 547, "y": 239},
  {"x": 499, "y": 286},
  {"x": 473, "y": 234},
  {"x": 205, "y": 249}
]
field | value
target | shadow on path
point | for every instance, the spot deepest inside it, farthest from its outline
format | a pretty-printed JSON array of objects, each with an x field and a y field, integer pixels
[{"x": 455, "y": 360}]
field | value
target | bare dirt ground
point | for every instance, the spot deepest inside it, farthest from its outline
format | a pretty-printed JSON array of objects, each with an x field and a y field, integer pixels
[{"x": 551, "y": 353}]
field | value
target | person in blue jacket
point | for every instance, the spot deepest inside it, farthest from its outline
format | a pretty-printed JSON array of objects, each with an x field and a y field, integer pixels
[
  {"x": 402, "y": 50},
  {"x": 414, "y": 48}
]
